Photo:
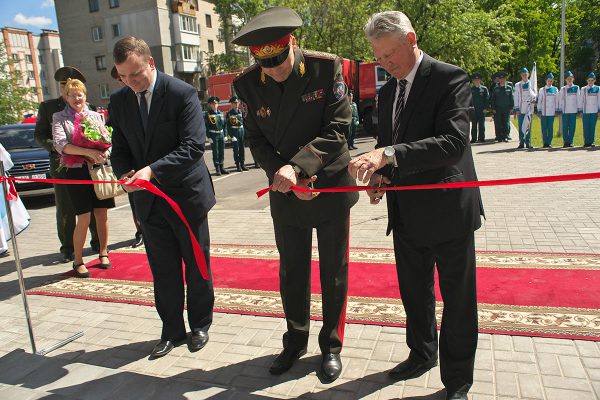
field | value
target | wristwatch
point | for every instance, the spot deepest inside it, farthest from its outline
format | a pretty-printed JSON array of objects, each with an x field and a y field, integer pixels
[
  {"x": 390, "y": 154},
  {"x": 298, "y": 171}
]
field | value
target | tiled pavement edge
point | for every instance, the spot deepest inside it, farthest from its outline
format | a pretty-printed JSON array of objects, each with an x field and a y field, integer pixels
[{"x": 110, "y": 360}]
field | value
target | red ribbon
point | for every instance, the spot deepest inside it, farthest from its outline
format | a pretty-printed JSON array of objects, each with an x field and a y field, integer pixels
[
  {"x": 143, "y": 184},
  {"x": 450, "y": 185}
]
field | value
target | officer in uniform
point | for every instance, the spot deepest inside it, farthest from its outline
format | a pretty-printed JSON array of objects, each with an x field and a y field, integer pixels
[
  {"x": 235, "y": 130},
  {"x": 590, "y": 105},
  {"x": 65, "y": 214},
  {"x": 481, "y": 96},
  {"x": 502, "y": 102},
  {"x": 547, "y": 105},
  {"x": 215, "y": 125},
  {"x": 523, "y": 106},
  {"x": 297, "y": 123},
  {"x": 569, "y": 106},
  {"x": 354, "y": 124}
]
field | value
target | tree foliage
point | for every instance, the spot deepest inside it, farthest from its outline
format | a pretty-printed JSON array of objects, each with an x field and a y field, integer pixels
[{"x": 15, "y": 100}]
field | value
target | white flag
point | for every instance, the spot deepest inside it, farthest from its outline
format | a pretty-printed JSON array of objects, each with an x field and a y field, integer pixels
[{"x": 533, "y": 91}]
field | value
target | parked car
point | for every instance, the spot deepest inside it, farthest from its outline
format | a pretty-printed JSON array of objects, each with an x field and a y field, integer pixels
[{"x": 31, "y": 160}]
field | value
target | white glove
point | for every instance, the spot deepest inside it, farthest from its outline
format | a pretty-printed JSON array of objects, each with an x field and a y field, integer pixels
[
  {"x": 233, "y": 139},
  {"x": 210, "y": 141}
]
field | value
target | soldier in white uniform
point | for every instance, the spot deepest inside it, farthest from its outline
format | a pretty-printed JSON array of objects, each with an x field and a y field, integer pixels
[
  {"x": 523, "y": 105},
  {"x": 569, "y": 106},
  {"x": 590, "y": 105},
  {"x": 547, "y": 105}
]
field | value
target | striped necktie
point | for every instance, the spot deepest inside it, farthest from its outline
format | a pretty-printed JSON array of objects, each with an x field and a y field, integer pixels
[{"x": 399, "y": 107}]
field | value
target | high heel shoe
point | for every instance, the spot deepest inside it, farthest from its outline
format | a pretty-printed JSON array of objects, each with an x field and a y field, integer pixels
[
  {"x": 80, "y": 274},
  {"x": 104, "y": 266}
]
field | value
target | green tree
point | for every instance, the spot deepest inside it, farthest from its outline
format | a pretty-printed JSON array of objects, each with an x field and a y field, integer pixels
[
  {"x": 15, "y": 100},
  {"x": 583, "y": 50}
]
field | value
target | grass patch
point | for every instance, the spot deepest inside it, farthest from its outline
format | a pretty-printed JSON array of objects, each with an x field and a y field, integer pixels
[{"x": 557, "y": 140}]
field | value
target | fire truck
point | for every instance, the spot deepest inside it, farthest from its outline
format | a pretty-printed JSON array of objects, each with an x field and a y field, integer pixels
[{"x": 363, "y": 78}]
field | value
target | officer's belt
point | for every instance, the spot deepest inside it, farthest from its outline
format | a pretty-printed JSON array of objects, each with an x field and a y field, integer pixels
[
  {"x": 237, "y": 127},
  {"x": 212, "y": 131}
]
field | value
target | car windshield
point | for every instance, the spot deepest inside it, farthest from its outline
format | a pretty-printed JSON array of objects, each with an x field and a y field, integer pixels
[{"x": 18, "y": 138}]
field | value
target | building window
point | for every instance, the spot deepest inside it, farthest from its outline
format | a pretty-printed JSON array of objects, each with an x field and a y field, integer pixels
[
  {"x": 188, "y": 23},
  {"x": 104, "y": 91},
  {"x": 31, "y": 76},
  {"x": 45, "y": 90},
  {"x": 100, "y": 63},
  {"x": 29, "y": 58},
  {"x": 96, "y": 33},
  {"x": 94, "y": 5},
  {"x": 15, "y": 57},
  {"x": 116, "y": 29},
  {"x": 189, "y": 52},
  {"x": 208, "y": 21},
  {"x": 41, "y": 59},
  {"x": 43, "y": 74},
  {"x": 211, "y": 46},
  {"x": 113, "y": 3}
]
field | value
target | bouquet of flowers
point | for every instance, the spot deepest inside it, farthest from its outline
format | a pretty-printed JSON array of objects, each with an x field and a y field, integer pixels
[{"x": 90, "y": 132}]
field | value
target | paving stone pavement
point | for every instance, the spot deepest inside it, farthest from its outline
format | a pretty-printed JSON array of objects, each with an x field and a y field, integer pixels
[{"x": 110, "y": 360}]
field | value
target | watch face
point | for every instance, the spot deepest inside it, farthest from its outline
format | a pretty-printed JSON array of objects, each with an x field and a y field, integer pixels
[{"x": 388, "y": 151}]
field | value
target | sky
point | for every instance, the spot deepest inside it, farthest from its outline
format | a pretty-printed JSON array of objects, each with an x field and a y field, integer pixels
[{"x": 32, "y": 15}]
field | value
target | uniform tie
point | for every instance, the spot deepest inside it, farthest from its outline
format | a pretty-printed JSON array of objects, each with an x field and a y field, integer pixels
[
  {"x": 399, "y": 107},
  {"x": 144, "y": 109}
]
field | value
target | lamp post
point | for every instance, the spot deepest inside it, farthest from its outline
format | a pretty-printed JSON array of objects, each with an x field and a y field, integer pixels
[{"x": 234, "y": 6}]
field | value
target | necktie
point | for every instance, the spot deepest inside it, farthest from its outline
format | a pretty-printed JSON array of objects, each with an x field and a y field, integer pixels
[
  {"x": 399, "y": 107},
  {"x": 144, "y": 109}
]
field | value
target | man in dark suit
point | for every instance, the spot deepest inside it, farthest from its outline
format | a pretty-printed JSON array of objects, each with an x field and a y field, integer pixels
[
  {"x": 297, "y": 120},
  {"x": 65, "y": 213},
  {"x": 158, "y": 136},
  {"x": 424, "y": 138}
]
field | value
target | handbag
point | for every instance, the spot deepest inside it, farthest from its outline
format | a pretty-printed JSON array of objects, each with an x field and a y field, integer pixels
[{"x": 104, "y": 172}]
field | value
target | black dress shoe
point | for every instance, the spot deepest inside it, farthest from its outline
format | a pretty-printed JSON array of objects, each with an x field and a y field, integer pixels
[
  {"x": 331, "y": 367},
  {"x": 138, "y": 240},
  {"x": 529, "y": 146},
  {"x": 457, "y": 396},
  {"x": 243, "y": 167},
  {"x": 520, "y": 146},
  {"x": 409, "y": 369},
  {"x": 164, "y": 347},
  {"x": 198, "y": 340},
  {"x": 223, "y": 170},
  {"x": 67, "y": 257},
  {"x": 285, "y": 360}
]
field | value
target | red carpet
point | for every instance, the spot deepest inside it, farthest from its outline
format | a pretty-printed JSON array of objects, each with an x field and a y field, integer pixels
[{"x": 541, "y": 294}]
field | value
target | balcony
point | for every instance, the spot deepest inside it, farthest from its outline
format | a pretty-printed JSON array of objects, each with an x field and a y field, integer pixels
[{"x": 188, "y": 67}]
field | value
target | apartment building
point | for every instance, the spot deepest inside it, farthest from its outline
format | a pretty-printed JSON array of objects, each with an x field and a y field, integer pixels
[
  {"x": 181, "y": 35},
  {"x": 35, "y": 58}
]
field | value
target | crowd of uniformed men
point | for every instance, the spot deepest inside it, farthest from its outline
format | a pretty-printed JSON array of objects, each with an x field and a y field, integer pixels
[{"x": 522, "y": 100}]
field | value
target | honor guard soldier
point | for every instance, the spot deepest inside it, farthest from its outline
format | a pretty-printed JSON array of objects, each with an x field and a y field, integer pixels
[
  {"x": 547, "y": 105},
  {"x": 215, "y": 125},
  {"x": 354, "y": 124},
  {"x": 569, "y": 106},
  {"x": 65, "y": 213},
  {"x": 502, "y": 102},
  {"x": 481, "y": 97},
  {"x": 235, "y": 130},
  {"x": 590, "y": 105},
  {"x": 524, "y": 103},
  {"x": 297, "y": 123}
]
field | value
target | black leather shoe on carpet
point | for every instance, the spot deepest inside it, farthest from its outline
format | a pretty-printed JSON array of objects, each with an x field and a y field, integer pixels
[
  {"x": 285, "y": 360},
  {"x": 409, "y": 369},
  {"x": 198, "y": 340},
  {"x": 164, "y": 347},
  {"x": 138, "y": 240},
  {"x": 331, "y": 367}
]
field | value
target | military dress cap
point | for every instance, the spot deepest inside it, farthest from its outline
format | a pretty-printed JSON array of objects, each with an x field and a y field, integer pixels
[
  {"x": 268, "y": 35},
  {"x": 234, "y": 99},
  {"x": 213, "y": 99},
  {"x": 524, "y": 70},
  {"x": 550, "y": 76},
  {"x": 476, "y": 75},
  {"x": 64, "y": 73},
  {"x": 568, "y": 74},
  {"x": 592, "y": 75},
  {"x": 501, "y": 74}
]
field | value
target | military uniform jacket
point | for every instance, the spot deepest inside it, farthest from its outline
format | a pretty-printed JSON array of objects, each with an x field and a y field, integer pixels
[
  {"x": 547, "y": 101},
  {"x": 590, "y": 99},
  {"x": 355, "y": 116},
  {"x": 215, "y": 121},
  {"x": 481, "y": 96},
  {"x": 569, "y": 99},
  {"x": 43, "y": 125},
  {"x": 502, "y": 97},
  {"x": 523, "y": 97},
  {"x": 305, "y": 122},
  {"x": 234, "y": 121}
]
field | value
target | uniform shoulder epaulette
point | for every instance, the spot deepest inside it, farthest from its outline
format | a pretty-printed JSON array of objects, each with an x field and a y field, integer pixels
[
  {"x": 319, "y": 54},
  {"x": 246, "y": 71}
]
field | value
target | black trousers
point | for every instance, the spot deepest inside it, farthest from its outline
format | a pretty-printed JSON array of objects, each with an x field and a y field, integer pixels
[
  {"x": 295, "y": 248},
  {"x": 455, "y": 261},
  {"x": 167, "y": 244}
]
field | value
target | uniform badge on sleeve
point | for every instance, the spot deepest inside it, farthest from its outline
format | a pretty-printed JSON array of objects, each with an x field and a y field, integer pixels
[
  {"x": 339, "y": 88},
  {"x": 263, "y": 112},
  {"x": 312, "y": 96},
  {"x": 243, "y": 108}
]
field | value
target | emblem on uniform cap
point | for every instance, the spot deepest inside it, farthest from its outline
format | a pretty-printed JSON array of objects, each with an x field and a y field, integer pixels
[{"x": 263, "y": 112}]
